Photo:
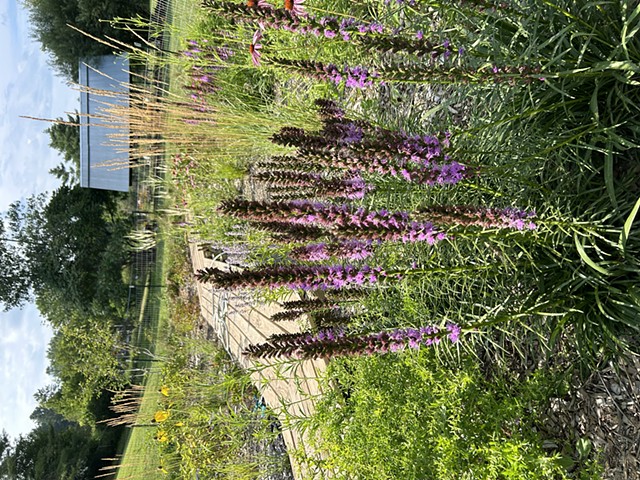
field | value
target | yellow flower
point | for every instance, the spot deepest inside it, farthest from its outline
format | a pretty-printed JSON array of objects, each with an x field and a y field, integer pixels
[
  {"x": 161, "y": 415},
  {"x": 164, "y": 390},
  {"x": 180, "y": 424},
  {"x": 162, "y": 436}
]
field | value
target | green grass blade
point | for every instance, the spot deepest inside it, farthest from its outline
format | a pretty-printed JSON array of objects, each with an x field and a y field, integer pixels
[
  {"x": 587, "y": 259},
  {"x": 624, "y": 235},
  {"x": 628, "y": 32},
  {"x": 608, "y": 175}
]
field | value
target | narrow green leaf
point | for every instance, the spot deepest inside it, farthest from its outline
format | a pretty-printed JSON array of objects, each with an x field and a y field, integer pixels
[
  {"x": 608, "y": 175},
  {"x": 593, "y": 105},
  {"x": 616, "y": 65},
  {"x": 586, "y": 258},
  {"x": 633, "y": 15},
  {"x": 623, "y": 142},
  {"x": 627, "y": 34},
  {"x": 624, "y": 235}
]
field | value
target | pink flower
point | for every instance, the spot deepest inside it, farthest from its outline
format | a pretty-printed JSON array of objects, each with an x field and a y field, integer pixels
[
  {"x": 255, "y": 47},
  {"x": 258, "y": 3},
  {"x": 295, "y": 6}
]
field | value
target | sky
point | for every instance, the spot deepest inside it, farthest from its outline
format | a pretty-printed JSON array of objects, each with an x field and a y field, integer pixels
[{"x": 28, "y": 86}]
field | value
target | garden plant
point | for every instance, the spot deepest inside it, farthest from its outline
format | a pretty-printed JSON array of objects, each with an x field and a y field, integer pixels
[{"x": 453, "y": 187}]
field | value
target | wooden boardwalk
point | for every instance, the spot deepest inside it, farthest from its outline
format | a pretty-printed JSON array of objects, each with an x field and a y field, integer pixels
[{"x": 289, "y": 388}]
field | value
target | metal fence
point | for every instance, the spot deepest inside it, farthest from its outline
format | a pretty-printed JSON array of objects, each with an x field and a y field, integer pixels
[{"x": 147, "y": 193}]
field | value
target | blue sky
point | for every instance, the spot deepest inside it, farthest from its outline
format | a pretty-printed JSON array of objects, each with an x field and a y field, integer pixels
[{"x": 28, "y": 86}]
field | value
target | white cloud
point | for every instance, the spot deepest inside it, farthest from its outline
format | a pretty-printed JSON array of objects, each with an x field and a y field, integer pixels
[
  {"x": 23, "y": 344},
  {"x": 27, "y": 87}
]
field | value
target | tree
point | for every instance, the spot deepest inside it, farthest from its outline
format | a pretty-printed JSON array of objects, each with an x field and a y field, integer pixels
[
  {"x": 47, "y": 453},
  {"x": 65, "y": 137},
  {"x": 49, "y": 19},
  {"x": 83, "y": 359},
  {"x": 58, "y": 247},
  {"x": 14, "y": 275},
  {"x": 5, "y": 446}
]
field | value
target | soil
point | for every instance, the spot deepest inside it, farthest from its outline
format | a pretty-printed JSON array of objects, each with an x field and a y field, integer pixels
[{"x": 605, "y": 409}]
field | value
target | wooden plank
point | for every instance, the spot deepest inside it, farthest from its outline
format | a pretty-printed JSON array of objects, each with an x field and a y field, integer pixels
[{"x": 288, "y": 388}]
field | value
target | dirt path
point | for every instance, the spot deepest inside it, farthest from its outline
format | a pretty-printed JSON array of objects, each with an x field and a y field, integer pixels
[{"x": 288, "y": 388}]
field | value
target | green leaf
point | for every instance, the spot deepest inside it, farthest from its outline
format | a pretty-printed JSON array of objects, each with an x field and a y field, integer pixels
[
  {"x": 565, "y": 461},
  {"x": 586, "y": 259},
  {"x": 617, "y": 65},
  {"x": 629, "y": 32},
  {"x": 634, "y": 294},
  {"x": 583, "y": 447},
  {"x": 608, "y": 174},
  {"x": 593, "y": 105},
  {"x": 624, "y": 235}
]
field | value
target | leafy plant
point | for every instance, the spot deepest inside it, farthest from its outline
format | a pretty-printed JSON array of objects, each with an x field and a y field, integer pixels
[{"x": 410, "y": 417}]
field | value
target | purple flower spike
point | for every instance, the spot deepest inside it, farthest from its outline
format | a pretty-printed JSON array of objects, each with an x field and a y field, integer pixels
[
  {"x": 297, "y": 276},
  {"x": 454, "y": 332},
  {"x": 331, "y": 343}
]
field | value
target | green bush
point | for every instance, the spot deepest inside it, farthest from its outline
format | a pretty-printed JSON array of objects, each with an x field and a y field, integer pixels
[{"x": 405, "y": 417}]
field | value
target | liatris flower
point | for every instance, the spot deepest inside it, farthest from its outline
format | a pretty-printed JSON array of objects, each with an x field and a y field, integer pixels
[
  {"x": 347, "y": 249},
  {"x": 343, "y": 132},
  {"x": 327, "y": 315},
  {"x": 406, "y": 72},
  {"x": 294, "y": 136},
  {"x": 255, "y": 47},
  {"x": 447, "y": 174},
  {"x": 328, "y": 109},
  {"x": 288, "y": 178},
  {"x": 416, "y": 44},
  {"x": 329, "y": 301},
  {"x": 331, "y": 317},
  {"x": 331, "y": 342},
  {"x": 299, "y": 276},
  {"x": 354, "y": 188},
  {"x": 356, "y": 77},
  {"x": 342, "y": 220},
  {"x": 287, "y": 232},
  {"x": 430, "y": 173},
  {"x": 300, "y": 184},
  {"x": 236, "y": 253},
  {"x": 342, "y": 146},
  {"x": 483, "y": 217},
  {"x": 287, "y": 315},
  {"x": 264, "y": 15}
]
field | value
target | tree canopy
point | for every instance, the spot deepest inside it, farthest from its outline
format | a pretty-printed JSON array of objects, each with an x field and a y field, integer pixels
[
  {"x": 50, "y": 20},
  {"x": 84, "y": 361},
  {"x": 15, "y": 285},
  {"x": 65, "y": 138},
  {"x": 51, "y": 451},
  {"x": 59, "y": 247}
]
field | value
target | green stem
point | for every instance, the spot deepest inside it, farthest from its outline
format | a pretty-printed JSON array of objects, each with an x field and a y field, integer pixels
[
  {"x": 536, "y": 310},
  {"x": 436, "y": 270}
]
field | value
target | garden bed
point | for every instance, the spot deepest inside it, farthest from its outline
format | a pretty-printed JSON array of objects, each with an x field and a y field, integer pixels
[{"x": 457, "y": 180}]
